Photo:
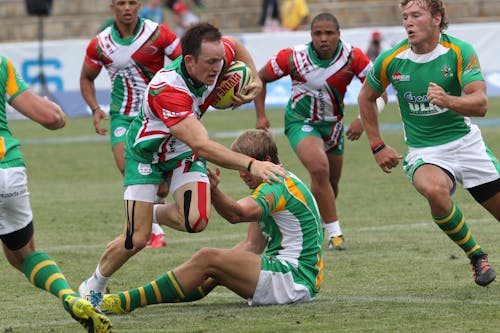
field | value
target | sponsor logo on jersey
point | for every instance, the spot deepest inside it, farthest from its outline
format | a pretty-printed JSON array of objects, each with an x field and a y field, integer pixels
[
  {"x": 398, "y": 77},
  {"x": 420, "y": 106},
  {"x": 307, "y": 128},
  {"x": 446, "y": 72},
  {"x": 144, "y": 169},
  {"x": 119, "y": 132}
]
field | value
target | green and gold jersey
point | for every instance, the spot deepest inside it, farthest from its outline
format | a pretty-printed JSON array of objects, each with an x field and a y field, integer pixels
[
  {"x": 451, "y": 65},
  {"x": 292, "y": 224},
  {"x": 11, "y": 85}
]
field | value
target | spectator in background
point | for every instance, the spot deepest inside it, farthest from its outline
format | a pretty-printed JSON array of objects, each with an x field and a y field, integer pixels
[
  {"x": 294, "y": 14},
  {"x": 376, "y": 45},
  {"x": 272, "y": 21},
  {"x": 184, "y": 17},
  {"x": 153, "y": 11}
]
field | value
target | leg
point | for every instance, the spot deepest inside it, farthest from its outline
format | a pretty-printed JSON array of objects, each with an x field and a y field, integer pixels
[
  {"x": 237, "y": 270},
  {"x": 190, "y": 210},
  {"x": 436, "y": 186},
  {"x": 44, "y": 273},
  {"x": 119, "y": 155},
  {"x": 137, "y": 232},
  {"x": 321, "y": 166},
  {"x": 310, "y": 151}
]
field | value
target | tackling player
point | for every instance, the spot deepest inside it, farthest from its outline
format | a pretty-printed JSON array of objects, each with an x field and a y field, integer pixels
[
  {"x": 280, "y": 262},
  {"x": 168, "y": 140}
]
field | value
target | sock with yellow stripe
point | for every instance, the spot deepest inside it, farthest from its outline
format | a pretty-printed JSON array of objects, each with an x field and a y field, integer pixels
[
  {"x": 42, "y": 272},
  {"x": 453, "y": 224},
  {"x": 165, "y": 289}
]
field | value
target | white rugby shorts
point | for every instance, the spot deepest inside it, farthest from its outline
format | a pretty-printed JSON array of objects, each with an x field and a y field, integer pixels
[
  {"x": 15, "y": 208},
  {"x": 467, "y": 159}
]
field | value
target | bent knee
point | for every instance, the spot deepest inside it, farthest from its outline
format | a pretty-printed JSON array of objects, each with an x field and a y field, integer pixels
[{"x": 196, "y": 225}]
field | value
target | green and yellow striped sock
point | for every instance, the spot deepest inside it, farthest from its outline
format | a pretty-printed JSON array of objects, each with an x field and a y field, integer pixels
[
  {"x": 453, "y": 224},
  {"x": 165, "y": 289},
  {"x": 42, "y": 272}
]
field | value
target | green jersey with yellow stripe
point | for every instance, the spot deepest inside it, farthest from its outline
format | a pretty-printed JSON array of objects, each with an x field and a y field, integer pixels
[
  {"x": 451, "y": 65},
  {"x": 11, "y": 85},
  {"x": 292, "y": 224}
]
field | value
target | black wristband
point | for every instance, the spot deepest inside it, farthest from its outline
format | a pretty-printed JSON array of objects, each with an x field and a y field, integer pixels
[
  {"x": 94, "y": 109},
  {"x": 378, "y": 148},
  {"x": 250, "y": 164}
]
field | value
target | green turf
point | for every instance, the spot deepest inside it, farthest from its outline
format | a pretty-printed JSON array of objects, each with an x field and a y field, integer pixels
[{"x": 399, "y": 274}]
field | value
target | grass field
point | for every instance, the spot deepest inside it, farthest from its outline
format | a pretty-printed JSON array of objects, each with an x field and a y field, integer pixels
[{"x": 399, "y": 274}]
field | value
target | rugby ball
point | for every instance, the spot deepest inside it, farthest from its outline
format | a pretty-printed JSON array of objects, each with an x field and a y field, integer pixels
[{"x": 233, "y": 81}]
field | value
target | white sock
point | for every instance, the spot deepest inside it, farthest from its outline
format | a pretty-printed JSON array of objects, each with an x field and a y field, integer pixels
[
  {"x": 155, "y": 221},
  {"x": 97, "y": 281},
  {"x": 333, "y": 229},
  {"x": 156, "y": 228}
]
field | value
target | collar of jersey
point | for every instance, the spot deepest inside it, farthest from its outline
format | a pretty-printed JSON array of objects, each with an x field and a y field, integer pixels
[
  {"x": 117, "y": 36},
  {"x": 323, "y": 62}
]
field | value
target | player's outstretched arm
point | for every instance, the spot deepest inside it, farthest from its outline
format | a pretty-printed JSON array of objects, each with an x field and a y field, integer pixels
[{"x": 40, "y": 109}]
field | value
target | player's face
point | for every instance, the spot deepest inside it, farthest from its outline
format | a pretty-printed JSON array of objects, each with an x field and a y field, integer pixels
[
  {"x": 422, "y": 29},
  {"x": 209, "y": 63},
  {"x": 250, "y": 180},
  {"x": 325, "y": 38},
  {"x": 126, "y": 11}
]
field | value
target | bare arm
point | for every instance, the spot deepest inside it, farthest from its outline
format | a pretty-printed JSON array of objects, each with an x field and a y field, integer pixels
[
  {"x": 387, "y": 158},
  {"x": 260, "y": 106},
  {"x": 87, "y": 89},
  {"x": 243, "y": 210},
  {"x": 40, "y": 109},
  {"x": 191, "y": 131},
  {"x": 255, "y": 87},
  {"x": 473, "y": 103},
  {"x": 255, "y": 241}
]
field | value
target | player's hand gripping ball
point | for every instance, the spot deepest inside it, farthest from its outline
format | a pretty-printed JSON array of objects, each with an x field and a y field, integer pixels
[{"x": 234, "y": 81}]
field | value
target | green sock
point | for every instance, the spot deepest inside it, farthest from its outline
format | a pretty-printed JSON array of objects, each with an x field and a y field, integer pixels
[
  {"x": 165, "y": 289},
  {"x": 453, "y": 224},
  {"x": 42, "y": 272}
]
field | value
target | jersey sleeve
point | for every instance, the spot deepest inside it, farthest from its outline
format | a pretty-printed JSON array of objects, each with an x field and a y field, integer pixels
[
  {"x": 279, "y": 65},
  {"x": 269, "y": 198},
  {"x": 470, "y": 67},
  {"x": 171, "y": 105},
  {"x": 92, "y": 56},
  {"x": 230, "y": 51},
  {"x": 14, "y": 84},
  {"x": 361, "y": 64},
  {"x": 172, "y": 44},
  {"x": 374, "y": 76}
]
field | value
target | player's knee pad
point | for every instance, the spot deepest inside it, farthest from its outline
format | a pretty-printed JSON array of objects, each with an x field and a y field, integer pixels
[
  {"x": 200, "y": 221},
  {"x": 19, "y": 238}
]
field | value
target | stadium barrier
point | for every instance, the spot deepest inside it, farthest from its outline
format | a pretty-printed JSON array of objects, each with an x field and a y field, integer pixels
[{"x": 63, "y": 59}]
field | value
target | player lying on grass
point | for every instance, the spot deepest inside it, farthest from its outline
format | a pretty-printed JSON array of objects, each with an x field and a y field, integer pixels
[
  {"x": 16, "y": 217},
  {"x": 288, "y": 228}
]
